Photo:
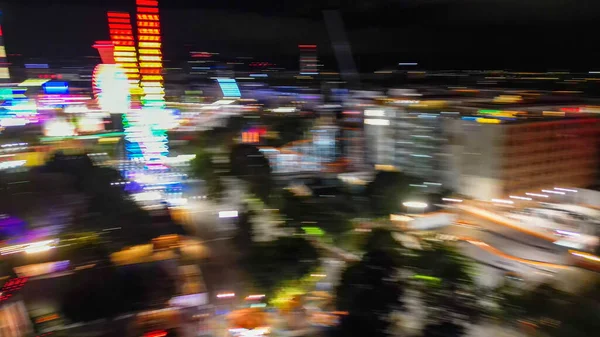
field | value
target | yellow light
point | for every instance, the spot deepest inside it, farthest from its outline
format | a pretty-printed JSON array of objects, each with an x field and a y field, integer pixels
[
  {"x": 124, "y": 48},
  {"x": 125, "y": 53},
  {"x": 150, "y": 58},
  {"x": 125, "y": 59},
  {"x": 128, "y": 65},
  {"x": 149, "y": 45},
  {"x": 131, "y": 70},
  {"x": 151, "y": 84},
  {"x": 150, "y": 65},
  {"x": 150, "y": 51},
  {"x": 152, "y": 78},
  {"x": 488, "y": 121},
  {"x": 2, "y": 51}
]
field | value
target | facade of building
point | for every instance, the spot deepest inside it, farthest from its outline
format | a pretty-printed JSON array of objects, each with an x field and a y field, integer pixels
[{"x": 498, "y": 160}]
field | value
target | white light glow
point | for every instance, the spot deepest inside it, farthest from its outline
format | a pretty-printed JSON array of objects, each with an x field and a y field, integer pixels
[
  {"x": 226, "y": 295},
  {"x": 565, "y": 190},
  {"x": 452, "y": 200},
  {"x": 376, "y": 121},
  {"x": 502, "y": 201},
  {"x": 553, "y": 192},
  {"x": 415, "y": 204},
  {"x": 537, "y": 195},
  {"x": 59, "y": 128},
  {"x": 519, "y": 198},
  {"x": 228, "y": 214},
  {"x": 375, "y": 113}
]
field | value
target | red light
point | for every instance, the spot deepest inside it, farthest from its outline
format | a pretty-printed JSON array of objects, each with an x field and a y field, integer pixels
[
  {"x": 159, "y": 333},
  {"x": 120, "y": 31},
  {"x": 0, "y": 31},
  {"x": 118, "y": 20},
  {"x": 123, "y": 43},
  {"x": 570, "y": 109},
  {"x": 59, "y": 76},
  {"x": 309, "y": 46},
  {"x": 147, "y": 3},
  {"x": 118, "y": 26},
  {"x": 147, "y": 9},
  {"x": 117, "y": 15},
  {"x": 150, "y": 71}
]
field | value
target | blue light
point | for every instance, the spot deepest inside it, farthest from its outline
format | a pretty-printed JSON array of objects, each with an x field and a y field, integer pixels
[
  {"x": 55, "y": 88},
  {"x": 259, "y": 75},
  {"x": 36, "y": 65},
  {"x": 229, "y": 87},
  {"x": 469, "y": 118}
]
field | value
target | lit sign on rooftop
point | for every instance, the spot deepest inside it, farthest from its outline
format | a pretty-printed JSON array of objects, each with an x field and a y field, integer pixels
[{"x": 229, "y": 87}]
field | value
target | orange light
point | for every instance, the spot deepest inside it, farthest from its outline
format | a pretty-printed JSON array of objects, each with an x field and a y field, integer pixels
[
  {"x": 155, "y": 71},
  {"x": 122, "y": 37},
  {"x": 148, "y": 17},
  {"x": 122, "y": 43},
  {"x": 154, "y": 24},
  {"x": 150, "y": 58},
  {"x": 120, "y": 32},
  {"x": 154, "y": 31},
  {"x": 149, "y": 38}
]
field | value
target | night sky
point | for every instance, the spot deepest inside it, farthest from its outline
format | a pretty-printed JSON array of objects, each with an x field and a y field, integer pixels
[{"x": 467, "y": 34}]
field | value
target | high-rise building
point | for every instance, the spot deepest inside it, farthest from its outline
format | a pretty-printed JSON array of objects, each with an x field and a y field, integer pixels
[
  {"x": 491, "y": 159},
  {"x": 4, "y": 73},
  {"x": 308, "y": 59},
  {"x": 150, "y": 53}
]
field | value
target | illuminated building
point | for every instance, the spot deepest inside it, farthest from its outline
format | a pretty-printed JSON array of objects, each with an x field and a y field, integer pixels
[
  {"x": 4, "y": 73},
  {"x": 150, "y": 53},
  {"x": 308, "y": 59},
  {"x": 124, "y": 52},
  {"x": 500, "y": 159}
]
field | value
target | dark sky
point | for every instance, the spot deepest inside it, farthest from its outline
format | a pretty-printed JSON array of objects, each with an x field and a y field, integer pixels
[{"x": 468, "y": 34}]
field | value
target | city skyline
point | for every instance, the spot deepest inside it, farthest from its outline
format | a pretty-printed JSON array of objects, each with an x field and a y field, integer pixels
[{"x": 438, "y": 34}]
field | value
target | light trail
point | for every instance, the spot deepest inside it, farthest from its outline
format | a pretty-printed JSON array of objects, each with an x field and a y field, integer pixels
[{"x": 497, "y": 252}]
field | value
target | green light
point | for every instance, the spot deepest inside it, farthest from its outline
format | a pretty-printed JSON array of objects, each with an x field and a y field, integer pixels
[
  {"x": 316, "y": 231},
  {"x": 487, "y": 111},
  {"x": 427, "y": 278}
]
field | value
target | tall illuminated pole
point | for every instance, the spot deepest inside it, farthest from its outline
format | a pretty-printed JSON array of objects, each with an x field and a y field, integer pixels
[
  {"x": 121, "y": 35},
  {"x": 150, "y": 53}
]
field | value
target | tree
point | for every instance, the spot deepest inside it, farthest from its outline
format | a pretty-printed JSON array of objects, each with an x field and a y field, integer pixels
[
  {"x": 249, "y": 164},
  {"x": 204, "y": 168},
  {"x": 443, "y": 329},
  {"x": 387, "y": 192},
  {"x": 270, "y": 264},
  {"x": 369, "y": 292}
]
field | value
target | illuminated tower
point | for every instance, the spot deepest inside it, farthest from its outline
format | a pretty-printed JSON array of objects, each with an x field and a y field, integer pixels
[
  {"x": 121, "y": 35},
  {"x": 308, "y": 59},
  {"x": 150, "y": 54},
  {"x": 4, "y": 74}
]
